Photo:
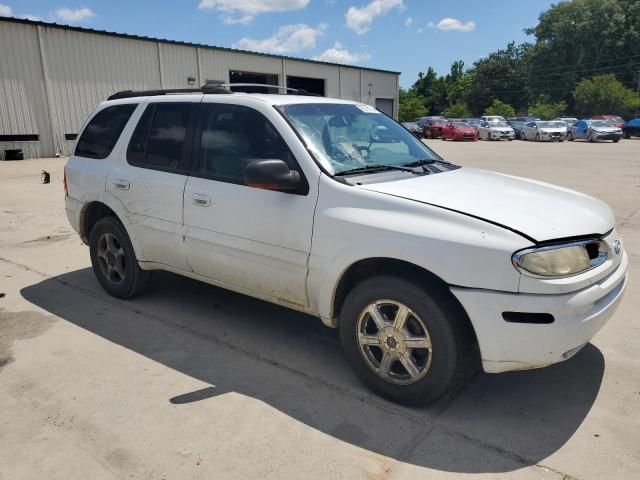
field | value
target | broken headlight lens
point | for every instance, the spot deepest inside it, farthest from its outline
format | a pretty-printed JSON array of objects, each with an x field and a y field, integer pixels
[{"x": 561, "y": 260}]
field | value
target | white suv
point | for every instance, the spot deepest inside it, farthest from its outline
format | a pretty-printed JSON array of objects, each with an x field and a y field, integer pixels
[{"x": 332, "y": 208}]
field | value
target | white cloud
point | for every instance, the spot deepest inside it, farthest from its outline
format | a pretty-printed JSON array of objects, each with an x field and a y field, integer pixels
[
  {"x": 408, "y": 22},
  {"x": 74, "y": 15},
  {"x": 420, "y": 30},
  {"x": 289, "y": 38},
  {"x": 449, "y": 23},
  {"x": 243, "y": 11},
  {"x": 28, "y": 16},
  {"x": 5, "y": 10},
  {"x": 360, "y": 19},
  {"x": 338, "y": 54}
]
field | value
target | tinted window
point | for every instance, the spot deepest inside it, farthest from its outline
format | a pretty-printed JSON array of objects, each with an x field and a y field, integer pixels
[
  {"x": 159, "y": 137},
  {"x": 232, "y": 137},
  {"x": 101, "y": 134}
]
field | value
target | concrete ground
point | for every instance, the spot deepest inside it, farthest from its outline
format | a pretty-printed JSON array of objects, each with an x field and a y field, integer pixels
[{"x": 191, "y": 381}]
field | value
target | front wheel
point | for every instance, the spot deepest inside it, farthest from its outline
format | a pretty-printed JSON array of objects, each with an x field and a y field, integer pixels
[
  {"x": 114, "y": 261},
  {"x": 537, "y": 137},
  {"x": 402, "y": 341}
]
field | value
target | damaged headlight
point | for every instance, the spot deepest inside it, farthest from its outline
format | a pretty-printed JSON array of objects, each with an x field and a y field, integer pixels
[{"x": 561, "y": 260}]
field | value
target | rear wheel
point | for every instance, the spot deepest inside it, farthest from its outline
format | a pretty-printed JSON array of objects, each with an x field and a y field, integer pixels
[
  {"x": 113, "y": 260},
  {"x": 401, "y": 342},
  {"x": 570, "y": 136}
]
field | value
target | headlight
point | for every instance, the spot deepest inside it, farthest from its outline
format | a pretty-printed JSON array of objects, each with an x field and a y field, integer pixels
[{"x": 561, "y": 260}]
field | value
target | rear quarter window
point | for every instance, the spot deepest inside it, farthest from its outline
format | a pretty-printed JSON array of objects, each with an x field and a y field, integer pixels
[{"x": 101, "y": 134}]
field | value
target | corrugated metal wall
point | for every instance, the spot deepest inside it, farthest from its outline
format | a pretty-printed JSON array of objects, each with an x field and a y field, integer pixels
[{"x": 51, "y": 78}]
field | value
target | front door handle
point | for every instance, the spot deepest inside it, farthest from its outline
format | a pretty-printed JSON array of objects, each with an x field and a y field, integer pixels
[
  {"x": 121, "y": 184},
  {"x": 201, "y": 200}
]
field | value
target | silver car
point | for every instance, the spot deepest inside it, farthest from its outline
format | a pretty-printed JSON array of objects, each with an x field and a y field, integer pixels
[
  {"x": 594, "y": 130},
  {"x": 541, "y": 131}
]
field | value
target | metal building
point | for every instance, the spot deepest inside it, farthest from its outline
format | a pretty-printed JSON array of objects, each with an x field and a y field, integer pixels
[{"x": 52, "y": 76}]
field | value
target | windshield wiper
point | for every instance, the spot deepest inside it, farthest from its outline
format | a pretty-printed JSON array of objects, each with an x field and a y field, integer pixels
[
  {"x": 419, "y": 163},
  {"x": 378, "y": 167}
]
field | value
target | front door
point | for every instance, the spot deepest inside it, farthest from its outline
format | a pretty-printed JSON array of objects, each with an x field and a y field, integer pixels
[{"x": 255, "y": 240}]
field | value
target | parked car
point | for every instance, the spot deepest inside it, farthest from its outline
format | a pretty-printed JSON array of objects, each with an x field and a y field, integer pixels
[
  {"x": 632, "y": 128},
  {"x": 492, "y": 118},
  {"x": 426, "y": 268},
  {"x": 413, "y": 127},
  {"x": 496, "y": 131},
  {"x": 545, "y": 131},
  {"x": 594, "y": 130},
  {"x": 568, "y": 120},
  {"x": 614, "y": 120},
  {"x": 517, "y": 126},
  {"x": 433, "y": 127},
  {"x": 459, "y": 130}
]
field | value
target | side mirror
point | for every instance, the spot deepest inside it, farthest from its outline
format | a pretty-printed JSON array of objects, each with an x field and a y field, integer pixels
[{"x": 272, "y": 175}]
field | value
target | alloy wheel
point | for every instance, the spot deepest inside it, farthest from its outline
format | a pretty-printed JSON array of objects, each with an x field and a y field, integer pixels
[
  {"x": 394, "y": 342},
  {"x": 111, "y": 258}
]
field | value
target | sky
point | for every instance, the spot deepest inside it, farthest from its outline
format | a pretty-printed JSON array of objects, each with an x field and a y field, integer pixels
[{"x": 406, "y": 36}]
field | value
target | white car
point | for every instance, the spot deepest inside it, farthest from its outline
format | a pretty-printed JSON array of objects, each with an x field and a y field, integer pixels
[
  {"x": 549, "y": 131},
  {"x": 496, "y": 130},
  {"x": 331, "y": 208},
  {"x": 492, "y": 118}
]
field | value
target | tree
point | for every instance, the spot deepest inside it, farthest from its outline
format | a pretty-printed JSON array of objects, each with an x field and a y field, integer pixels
[
  {"x": 457, "y": 110},
  {"x": 545, "y": 109},
  {"x": 501, "y": 75},
  {"x": 604, "y": 94},
  {"x": 411, "y": 106},
  {"x": 582, "y": 38},
  {"x": 500, "y": 108}
]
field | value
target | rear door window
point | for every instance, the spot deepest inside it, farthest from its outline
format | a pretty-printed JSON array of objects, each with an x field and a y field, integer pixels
[
  {"x": 101, "y": 134},
  {"x": 160, "y": 137}
]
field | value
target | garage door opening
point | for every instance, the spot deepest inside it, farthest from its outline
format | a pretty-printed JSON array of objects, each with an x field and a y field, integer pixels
[
  {"x": 385, "y": 105},
  {"x": 311, "y": 85},
  {"x": 253, "y": 77}
]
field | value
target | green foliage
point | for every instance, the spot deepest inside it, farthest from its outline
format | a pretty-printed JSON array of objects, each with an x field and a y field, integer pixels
[
  {"x": 546, "y": 109},
  {"x": 411, "y": 106},
  {"x": 501, "y": 75},
  {"x": 604, "y": 94},
  {"x": 573, "y": 41},
  {"x": 457, "y": 110},
  {"x": 500, "y": 108},
  {"x": 582, "y": 38}
]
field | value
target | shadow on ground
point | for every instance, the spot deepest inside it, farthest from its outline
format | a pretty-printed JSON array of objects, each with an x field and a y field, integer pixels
[{"x": 497, "y": 423}]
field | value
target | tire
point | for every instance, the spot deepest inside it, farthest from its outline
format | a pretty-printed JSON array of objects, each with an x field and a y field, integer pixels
[
  {"x": 570, "y": 136},
  {"x": 431, "y": 319},
  {"x": 537, "y": 137},
  {"x": 113, "y": 260},
  {"x": 616, "y": 140},
  {"x": 590, "y": 138}
]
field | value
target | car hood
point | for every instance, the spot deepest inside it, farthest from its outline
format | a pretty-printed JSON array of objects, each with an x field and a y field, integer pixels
[
  {"x": 537, "y": 210},
  {"x": 465, "y": 130}
]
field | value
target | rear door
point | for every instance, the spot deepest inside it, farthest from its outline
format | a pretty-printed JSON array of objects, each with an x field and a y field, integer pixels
[
  {"x": 255, "y": 240},
  {"x": 150, "y": 181}
]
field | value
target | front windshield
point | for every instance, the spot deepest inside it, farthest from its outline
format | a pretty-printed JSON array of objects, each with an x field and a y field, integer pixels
[
  {"x": 348, "y": 136},
  {"x": 549, "y": 125},
  {"x": 498, "y": 124},
  {"x": 461, "y": 125},
  {"x": 600, "y": 123}
]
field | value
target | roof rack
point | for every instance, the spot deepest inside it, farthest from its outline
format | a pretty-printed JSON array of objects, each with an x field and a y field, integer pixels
[{"x": 209, "y": 88}]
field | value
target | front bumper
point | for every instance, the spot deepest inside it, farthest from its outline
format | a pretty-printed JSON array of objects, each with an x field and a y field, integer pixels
[
  {"x": 506, "y": 346},
  {"x": 553, "y": 137},
  {"x": 502, "y": 135},
  {"x": 607, "y": 136}
]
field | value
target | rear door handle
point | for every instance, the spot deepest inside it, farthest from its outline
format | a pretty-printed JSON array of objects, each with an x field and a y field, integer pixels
[
  {"x": 201, "y": 200},
  {"x": 121, "y": 184}
]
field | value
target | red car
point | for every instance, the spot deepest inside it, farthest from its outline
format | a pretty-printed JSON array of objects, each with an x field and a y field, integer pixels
[
  {"x": 614, "y": 120},
  {"x": 459, "y": 131},
  {"x": 433, "y": 128}
]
